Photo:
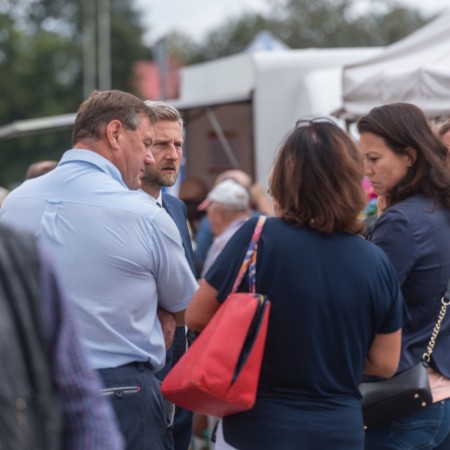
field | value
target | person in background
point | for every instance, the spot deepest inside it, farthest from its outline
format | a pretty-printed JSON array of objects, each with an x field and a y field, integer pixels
[
  {"x": 51, "y": 389},
  {"x": 3, "y": 194},
  {"x": 193, "y": 191},
  {"x": 444, "y": 133},
  {"x": 228, "y": 208},
  {"x": 39, "y": 168},
  {"x": 336, "y": 306},
  {"x": 117, "y": 253},
  {"x": 167, "y": 150},
  {"x": 259, "y": 202},
  {"x": 369, "y": 214},
  {"x": 406, "y": 164},
  {"x": 34, "y": 170}
]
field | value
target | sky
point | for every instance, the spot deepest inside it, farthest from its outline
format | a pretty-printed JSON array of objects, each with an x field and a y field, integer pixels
[{"x": 197, "y": 17}]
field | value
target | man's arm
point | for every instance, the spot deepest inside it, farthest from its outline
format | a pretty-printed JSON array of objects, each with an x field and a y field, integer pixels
[
  {"x": 168, "y": 325},
  {"x": 174, "y": 278}
]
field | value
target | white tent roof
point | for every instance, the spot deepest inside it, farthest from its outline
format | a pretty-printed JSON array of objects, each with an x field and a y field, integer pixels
[
  {"x": 29, "y": 127},
  {"x": 265, "y": 40},
  {"x": 415, "y": 69}
]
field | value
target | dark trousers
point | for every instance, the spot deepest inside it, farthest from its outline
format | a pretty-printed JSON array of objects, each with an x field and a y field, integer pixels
[
  {"x": 140, "y": 409},
  {"x": 182, "y": 426},
  {"x": 182, "y": 429},
  {"x": 426, "y": 429}
]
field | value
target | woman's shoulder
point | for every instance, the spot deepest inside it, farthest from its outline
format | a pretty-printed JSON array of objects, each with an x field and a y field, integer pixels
[
  {"x": 413, "y": 204},
  {"x": 281, "y": 230},
  {"x": 415, "y": 210},
  {"x": 272, "y": 223}
]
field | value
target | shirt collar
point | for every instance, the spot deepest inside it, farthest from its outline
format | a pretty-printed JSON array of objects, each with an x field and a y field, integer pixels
[
  {"x": 157, "y": 200},
  {"x": 95, "y": 159}
]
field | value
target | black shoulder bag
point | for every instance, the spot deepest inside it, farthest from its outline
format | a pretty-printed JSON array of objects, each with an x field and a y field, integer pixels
[{"x": 386, "y": 400}]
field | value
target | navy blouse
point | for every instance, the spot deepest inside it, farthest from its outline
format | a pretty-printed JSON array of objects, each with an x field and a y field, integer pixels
[{"x": 330, "y": 294}]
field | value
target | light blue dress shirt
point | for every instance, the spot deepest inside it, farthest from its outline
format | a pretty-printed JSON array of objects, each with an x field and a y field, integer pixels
[{"x": 118, "y": 254}]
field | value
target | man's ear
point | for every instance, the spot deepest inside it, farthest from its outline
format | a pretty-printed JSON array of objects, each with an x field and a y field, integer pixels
[
  {"x": 112, "y": 131},
  {"x": 411, "y": 156}
]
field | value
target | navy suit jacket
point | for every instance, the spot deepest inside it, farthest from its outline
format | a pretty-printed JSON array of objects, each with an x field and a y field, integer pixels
[
  {"x": 177, "y": 210},
  {"x": 182, "y": 426}
]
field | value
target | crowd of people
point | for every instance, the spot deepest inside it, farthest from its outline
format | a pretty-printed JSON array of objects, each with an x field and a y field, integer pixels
[{"x": 107, "y": 279}]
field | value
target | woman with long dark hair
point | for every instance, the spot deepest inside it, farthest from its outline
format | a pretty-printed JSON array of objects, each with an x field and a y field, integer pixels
[{"x": 407, "y": 165}]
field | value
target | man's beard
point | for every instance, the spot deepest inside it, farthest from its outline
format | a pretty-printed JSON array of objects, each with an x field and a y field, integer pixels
[{"x": 161, "y": 179}]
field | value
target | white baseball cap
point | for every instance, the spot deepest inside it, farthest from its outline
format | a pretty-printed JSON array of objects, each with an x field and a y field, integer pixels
[{"x": 227, "y": 192}]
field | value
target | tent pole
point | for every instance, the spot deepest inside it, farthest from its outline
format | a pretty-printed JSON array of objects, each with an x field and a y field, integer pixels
[{"x": 222, "y": 139}]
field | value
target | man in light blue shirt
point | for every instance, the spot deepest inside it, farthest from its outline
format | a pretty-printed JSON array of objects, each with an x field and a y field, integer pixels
[{"x": 119, "y": 255}]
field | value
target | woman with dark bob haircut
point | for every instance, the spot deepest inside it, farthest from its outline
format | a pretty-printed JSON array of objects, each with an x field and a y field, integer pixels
[
  {"x": 407, "y": 166},
  {"x": 337, "y": 309}
]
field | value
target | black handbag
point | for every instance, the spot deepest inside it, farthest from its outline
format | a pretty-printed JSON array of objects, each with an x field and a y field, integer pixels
[
  {"x": 408, "y": 391},
  {"x": 384, "y": 401}
]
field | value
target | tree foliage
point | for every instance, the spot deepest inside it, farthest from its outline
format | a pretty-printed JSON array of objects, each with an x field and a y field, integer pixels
[
  {"x": 318, "y": 23},
  {"x": 41, "y": 70},
  {"x": 232, "y": 37}
]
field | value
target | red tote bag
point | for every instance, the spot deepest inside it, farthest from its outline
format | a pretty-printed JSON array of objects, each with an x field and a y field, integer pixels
[{"x": 219, "y": 373}]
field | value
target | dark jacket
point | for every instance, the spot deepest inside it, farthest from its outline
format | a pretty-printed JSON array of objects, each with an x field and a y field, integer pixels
[
  {"x": 415, "y": 234},
  {"x": 182, "y": 427},
  {"x": 177, "y": 210}
]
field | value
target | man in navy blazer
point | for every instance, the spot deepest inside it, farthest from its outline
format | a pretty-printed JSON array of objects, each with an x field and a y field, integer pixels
[
  {"x": 167, "y": 149},
  {"x": 177, "y": 210}
]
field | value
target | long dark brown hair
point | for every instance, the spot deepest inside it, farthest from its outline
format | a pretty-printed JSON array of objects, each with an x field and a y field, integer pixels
[
  {"x": 317, "y": 178},
  {"x": 404, "y": 126}
]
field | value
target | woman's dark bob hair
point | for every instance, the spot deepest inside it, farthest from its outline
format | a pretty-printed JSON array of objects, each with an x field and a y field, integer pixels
[
  {"x": 317, "y": 178},
  {"x": 403, "y": 126}
]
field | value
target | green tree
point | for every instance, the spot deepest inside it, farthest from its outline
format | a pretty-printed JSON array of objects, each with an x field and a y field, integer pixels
[
  {"x": 340, "y": 23},
  {"x": 318, "y": 23},
  {"x": 181, "y": 46},
  {"x": 232, "y": 37},
  {"x": 41, "y": 70},
  {"x": 35, "y": 75}
]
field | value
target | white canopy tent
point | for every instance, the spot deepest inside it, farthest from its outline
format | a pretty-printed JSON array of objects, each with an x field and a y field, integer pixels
[{"x": 415, "y": 69}]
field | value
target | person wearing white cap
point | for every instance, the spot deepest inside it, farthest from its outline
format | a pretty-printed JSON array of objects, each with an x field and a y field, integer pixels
[{"x": 228, "y": 207}]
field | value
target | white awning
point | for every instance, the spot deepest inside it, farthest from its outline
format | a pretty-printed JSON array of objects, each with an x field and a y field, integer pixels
[
  {"x": 415, "y": 69},
  {"x": 27, "y": 127},
  {"x": 184, "y": 104}
]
